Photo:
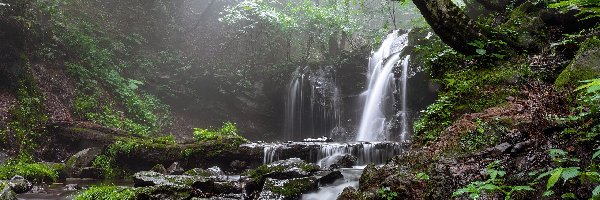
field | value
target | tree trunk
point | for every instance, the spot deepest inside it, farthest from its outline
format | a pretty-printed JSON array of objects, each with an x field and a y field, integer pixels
[{"x": 451, "y": 24}]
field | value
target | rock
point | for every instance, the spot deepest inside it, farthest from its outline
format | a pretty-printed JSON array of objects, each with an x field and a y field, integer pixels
[
  {"x": 3, "y": 157},
  {"x": 175, "y": 169},
  {"x": 585, "y": 66},
  {"x": 349, "y": 193},
  {"x": 499, "y": 149},
  {"x": 159, "y": 168},
  {"x": 338, "y": 161},
  {"x": 80, "y": 160},
  {"x": 37, "y": 189},
  {"x": 282, "y": 169},
  {"x": 329, "y": 177},
  {"x": 287, "y": 188},
  {"x": 19, "y": 184},
  {"x": 91, "y": 172},
  {"x": 519, "y": 147},
  {"x": 369, "y": 172},
  {"x": 71, "y": 187},
  {"x": 213, "y": 173},
  {"x": 6, "y": 193},
  {"x": 239, "y": 166},
  {"x": 150, "y": 178},
  {"x": 210, "y": 187}
]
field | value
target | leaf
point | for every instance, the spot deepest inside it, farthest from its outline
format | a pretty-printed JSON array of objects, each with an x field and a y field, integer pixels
[
  {"x": 568, "y": 196},
  {"x": 554, "y": 178},
  {"x": 481, "y": 51},
  {"x": 596, "y": 154},
  {"x": 522, "y": 188},
  {"x": 596, "y": 191},
  {"x": 569, "y": 173},
  {"x": 548, "y": 193}
]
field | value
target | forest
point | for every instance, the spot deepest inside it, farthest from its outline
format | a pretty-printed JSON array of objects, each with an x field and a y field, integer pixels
[{"x": 299, "y": 99}]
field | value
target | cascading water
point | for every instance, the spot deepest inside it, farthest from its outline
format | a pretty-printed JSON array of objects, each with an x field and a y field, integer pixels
[
  {"x": 313, "y": 104},
  {"x": 378, "y": 96}
]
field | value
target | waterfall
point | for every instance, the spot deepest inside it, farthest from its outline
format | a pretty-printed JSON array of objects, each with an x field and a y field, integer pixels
[
  {"x": 378, "y": 96},
  {"x": 404, "y": 109},
  {"x": 319, "y": 152},
  {"x": 313, "y": 104}
]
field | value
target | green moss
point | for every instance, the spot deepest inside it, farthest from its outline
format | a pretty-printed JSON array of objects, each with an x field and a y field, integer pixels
[
  {"x": 35, "y": 172},
  {"x": 291, "y": 187},
  {"x": 466, "y": 91},
  {"x": 108, "y": 193},
  {"x": 585, "y": 66},
  {"x": 485, "y": 135}
]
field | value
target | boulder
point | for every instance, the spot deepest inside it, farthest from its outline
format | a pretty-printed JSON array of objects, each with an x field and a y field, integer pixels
[
  {"x": 585, "y": 66},
  {"x": 81, "y": 160},
  {"x": 175, "y": 169},
  {"x": 239, "y": 166},
  {"x": 328, "y": 177},
  {"x": 19, "y": 185},
  {"x": 287, "y": 188},
  {"x": 338, "y": 161},
  {"x": 71, "y": 187},
  {"x": 6, "y": 193},
  {"x": 282, "y": 169},
  {"x": 150, "y": 178},
  {"x": 213, "y": 173},
  {"x": 91, "y": 172},
  {"x": 159, "y": 168}
]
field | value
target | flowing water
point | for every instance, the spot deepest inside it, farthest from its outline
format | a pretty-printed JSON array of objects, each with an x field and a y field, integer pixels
[
  {"x": 379, "y": 95},
  {"x": 313, "y": 104}
]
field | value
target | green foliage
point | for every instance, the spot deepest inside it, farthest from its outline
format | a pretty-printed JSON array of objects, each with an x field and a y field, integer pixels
[
  {"x": 422, "y": 176},
  {"x": 108, "y": 193},
  {"x": 588, "y": 9},
  {"x": 104, "y": 94},
  {"x": 493, "y": 184},
  {"x": 387, "y": 193},
  {"x": 24, "y": 166},
  {"x": 584, "y": 120},
  {"x": 106, "y": 164},
  {"x": 561, "y": 158},
  {"x": 464, "y": 91},
  {"x": 485, "y": 135},
  {"x": 228, "y": 132}
]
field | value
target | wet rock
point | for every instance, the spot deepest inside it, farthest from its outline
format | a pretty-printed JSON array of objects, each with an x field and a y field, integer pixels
[
  {"x": 368, "y": 173},
  {"x": 287, "y": 188},
  {"x": 282, "y": 169},
  {"x": 349, "y": 193},
  {"x": 81, "y": 160},
  {"x": 346, "y": 161},
  {"x": 91, "y": 172},
  {"x": 175, "y": 169},
  {"x": 159, "y": 168},
  {"x": 239, "y": 166},
  {"x": 499, "y": 149},
  {"x": 521, "y": 146},
  {"x": 37, "y": 189},
  {"x": 216, "y": 188},
  {"x": 329, "y": 177},
  {"x": 6, "y": 193},
  {"x": 19, "y": 184},
  {"x": 213, "y": 173},
  {"x": 150, "y": 178},
  {"x": 71, "y": 187}
]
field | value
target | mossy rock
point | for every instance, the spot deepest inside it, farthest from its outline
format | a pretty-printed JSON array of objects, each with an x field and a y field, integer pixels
[
  {"x": 585, "y": 66},
  {"x": 526, "y": 23},
  {"x": 6, "y": 193},
  {"x": 288, "y": 188},
  {"x": 80, "y": 160}
]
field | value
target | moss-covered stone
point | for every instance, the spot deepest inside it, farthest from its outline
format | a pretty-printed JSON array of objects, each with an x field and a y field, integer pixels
[
  {"x": 6, "y": 193},
  {"x": 287, "y": 188},
  {"x": 585, "y": 66}
]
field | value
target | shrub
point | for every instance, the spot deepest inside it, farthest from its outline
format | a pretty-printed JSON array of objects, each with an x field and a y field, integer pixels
[
  {"x": 227, "y": 132},
  {"x": 107, "y": 193},
  {"x": 35, "y": 172}
]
